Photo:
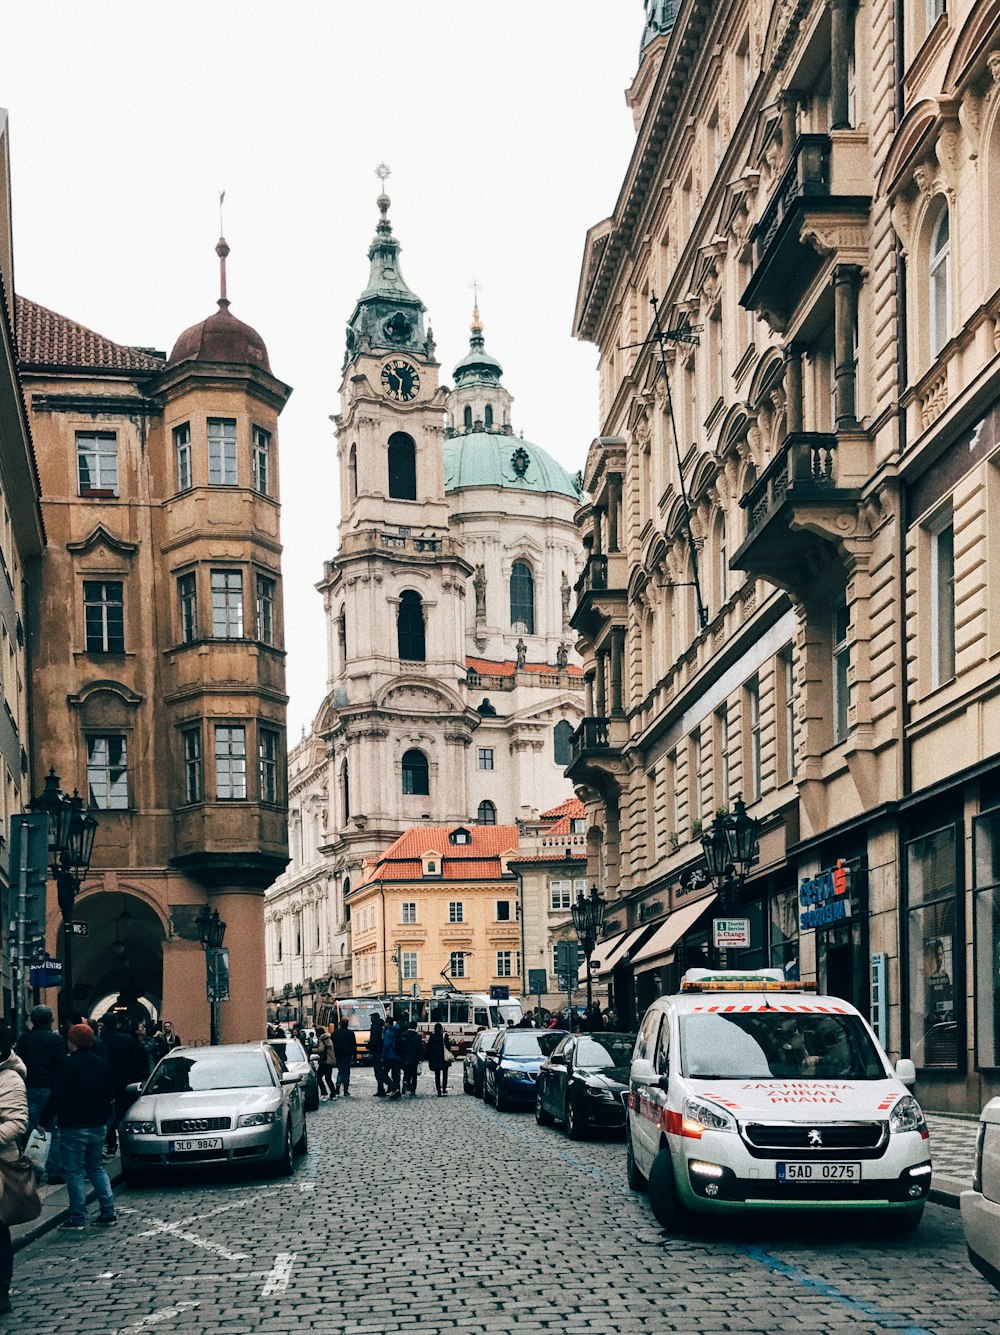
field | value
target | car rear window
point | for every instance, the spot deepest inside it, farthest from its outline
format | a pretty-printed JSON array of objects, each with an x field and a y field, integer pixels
[
  {"x": 230, "y": 1070},
  {"x": 527, "y": 1043}
]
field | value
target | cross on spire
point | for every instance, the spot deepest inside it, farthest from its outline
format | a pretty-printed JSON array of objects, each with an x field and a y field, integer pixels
[{"x": 383, "y": 173}]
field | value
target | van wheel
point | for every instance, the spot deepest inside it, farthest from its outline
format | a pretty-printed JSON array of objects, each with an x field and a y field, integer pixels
[
  {"x": 663, "y": 1193},
  {"x": 634, "y": 1178},
  {"x": 542, "y": 1117},
  {"x": 904, "y": 1221}
]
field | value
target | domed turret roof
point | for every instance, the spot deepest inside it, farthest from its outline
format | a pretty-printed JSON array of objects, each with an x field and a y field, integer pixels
[
  {"x": 477, "y": 366},
  {"x": 221, "y": 337},
  {"x": 498, "y": 459}
]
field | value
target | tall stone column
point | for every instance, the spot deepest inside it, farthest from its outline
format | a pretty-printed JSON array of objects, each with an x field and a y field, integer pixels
[
  {"x": 846, "y": 285},
  {"x": 602, "y": 683},
  {"x": 614, "y": 510},
  {"x": 242, "y": 1018},
  {"x": 617, "y": 669},
  {"x": 841, "y": 36}
]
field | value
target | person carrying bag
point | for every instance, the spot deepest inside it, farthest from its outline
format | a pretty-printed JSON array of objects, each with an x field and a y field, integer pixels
[{"x": 19, "y": 1201}]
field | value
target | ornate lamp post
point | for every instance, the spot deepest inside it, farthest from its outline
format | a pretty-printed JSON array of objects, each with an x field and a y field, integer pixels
[
  {"x": 71, "y": 842},
  {"x": 211, "y": 934},
  {"x": 730, "y": 845},
  {"x": 298, "y": 1002},
  {"x": 588, "y": 915}
]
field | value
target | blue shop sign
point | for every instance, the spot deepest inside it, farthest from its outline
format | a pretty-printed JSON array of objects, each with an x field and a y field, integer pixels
[{"x": 825, "y": 899}]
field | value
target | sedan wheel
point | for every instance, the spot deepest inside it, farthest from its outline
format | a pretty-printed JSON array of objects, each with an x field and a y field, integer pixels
[
  {"x": 303, "y": 1143},
  {"x": 542, "y": 1117},
  {"x": 286, "y": 1164},
  {"x": 502, "y": 1102},
  {"x": 572, "y": 1120}
]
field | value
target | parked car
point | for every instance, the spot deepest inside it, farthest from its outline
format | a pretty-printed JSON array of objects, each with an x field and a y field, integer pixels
[
  {"x": 473, "y": 1062},
  {"x": 749, "y": 1091},
  {"x": 511, "y": 1065},
  {"x": 225, "y": 1105},
  {"x": 294, "y": 1058},
  {"x": 584, "y": 1083},
  {"x": 981, "y": 1205}
]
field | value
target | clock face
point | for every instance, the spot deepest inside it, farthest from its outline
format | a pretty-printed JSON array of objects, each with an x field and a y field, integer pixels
[{"x": 400, "y": 380}]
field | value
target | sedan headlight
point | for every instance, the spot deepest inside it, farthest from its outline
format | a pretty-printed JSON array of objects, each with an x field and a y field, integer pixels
[
  {"x": 699, "y": 1117},
  {"x": 258, "y": 1119},
  {"x": 598, "y": 1092},
  {"x": 140, "y": 1128},
  {"x": 907, "y": 1116}
]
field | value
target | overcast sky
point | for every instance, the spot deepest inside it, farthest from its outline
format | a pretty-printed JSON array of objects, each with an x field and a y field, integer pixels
[{"x": 507, "y": 132}]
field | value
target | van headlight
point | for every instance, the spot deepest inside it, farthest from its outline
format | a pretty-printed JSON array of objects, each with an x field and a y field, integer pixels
[
  {"x": 907, "y": 1116},
  {"x": 699, "y": 1117},
  {"x": 258, "y": 1119}
]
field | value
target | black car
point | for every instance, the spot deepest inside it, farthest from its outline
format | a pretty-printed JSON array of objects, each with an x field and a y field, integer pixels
[
  {"x": 512, "y": 1064},
  {"x": 584, "y": 1083},
  {"x": 474, "y": 1059}
]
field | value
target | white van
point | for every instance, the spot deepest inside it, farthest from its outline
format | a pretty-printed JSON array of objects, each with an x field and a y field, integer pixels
[{"x": 750, "y": 1092}]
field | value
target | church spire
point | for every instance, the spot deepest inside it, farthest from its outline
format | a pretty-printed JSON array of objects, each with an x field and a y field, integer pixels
[
  {"x": 388, "y": 315},
  {"x": 478, "y": 367},
  {"x": 222, "y": 250}
]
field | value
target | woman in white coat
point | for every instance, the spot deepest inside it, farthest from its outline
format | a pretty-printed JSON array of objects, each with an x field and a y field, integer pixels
[{"x": 13, "y": 1125}]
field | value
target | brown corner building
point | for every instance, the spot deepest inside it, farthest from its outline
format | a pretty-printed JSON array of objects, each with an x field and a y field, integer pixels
[{"x": 156, "y": 651}]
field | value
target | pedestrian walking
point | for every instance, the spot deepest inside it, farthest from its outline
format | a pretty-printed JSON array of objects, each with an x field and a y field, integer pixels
[
  {"x": 391, "y": 1064},
  {"x": 439, "y": 1058},
  {"x": 324, "y": 1064},
  {"x": 80, "y": 1099},
  {"x": 13, "y": 1126},
  {"x": 43, "y": 1051},
  {"x": 127, "y": 1064},
  {"x": 411, "y": 1052},
  {"x": 375, "y": 1052},
  {"x": 345, "y": 1049}
]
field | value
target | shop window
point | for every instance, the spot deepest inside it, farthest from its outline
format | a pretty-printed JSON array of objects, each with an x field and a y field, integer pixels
[
  {"x": 986, "y": 850},
  {"x": 784, "y": 932},
  {"x": 934, "y": 948}
]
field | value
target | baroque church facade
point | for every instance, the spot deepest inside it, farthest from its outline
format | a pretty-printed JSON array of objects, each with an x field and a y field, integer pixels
[{"x": 453, "y": 687}]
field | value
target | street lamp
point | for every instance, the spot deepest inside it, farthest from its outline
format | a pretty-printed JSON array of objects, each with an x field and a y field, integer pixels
[
  {"x": 730, "y": 845},
  {"x": 588, "y": 915},
  {"x": 211, "y": 934},
  {"x": 71, "y": 842},
  {"x": 298, "y": 1002}
]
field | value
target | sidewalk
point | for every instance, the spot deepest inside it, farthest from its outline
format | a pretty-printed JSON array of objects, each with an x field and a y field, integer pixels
[
  {"x": 953, "y": 1153},
  {"x": 55, "y": 1208}
]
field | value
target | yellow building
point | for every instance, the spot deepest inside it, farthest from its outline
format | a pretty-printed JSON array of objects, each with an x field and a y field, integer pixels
[
  {"x": 792, "y": 591},
  {"x": 440, "y": 905}
]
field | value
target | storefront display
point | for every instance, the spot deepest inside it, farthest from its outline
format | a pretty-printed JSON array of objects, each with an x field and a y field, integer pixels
[{"x": 933, "y": 949}]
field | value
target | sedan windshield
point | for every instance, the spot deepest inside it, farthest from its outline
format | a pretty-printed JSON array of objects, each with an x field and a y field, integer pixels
[
  {"x": 527, "y": 1043},
  {"x": 606, "y": 1053},
  {"x": 230, "y": 1070},
  {"x": 773, "y": 1044}
]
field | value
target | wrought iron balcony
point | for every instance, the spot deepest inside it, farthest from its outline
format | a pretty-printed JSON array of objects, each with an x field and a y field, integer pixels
[
  {"x": 595, "y": 751},
  {"x": 601, "y": 592}
]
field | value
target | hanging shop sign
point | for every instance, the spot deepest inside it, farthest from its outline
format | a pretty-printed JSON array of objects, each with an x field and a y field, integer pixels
[{"x": 826, "y": 898}]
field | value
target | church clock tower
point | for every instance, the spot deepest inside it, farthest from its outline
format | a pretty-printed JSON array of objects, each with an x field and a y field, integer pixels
[{"x": 396, "y": 720}]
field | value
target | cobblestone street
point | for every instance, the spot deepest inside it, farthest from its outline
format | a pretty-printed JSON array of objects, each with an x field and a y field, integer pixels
[{"x": 438, "y": 1216}]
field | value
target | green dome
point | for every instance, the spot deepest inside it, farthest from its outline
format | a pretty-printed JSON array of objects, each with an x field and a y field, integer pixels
[{"x": 496, "y": 459}]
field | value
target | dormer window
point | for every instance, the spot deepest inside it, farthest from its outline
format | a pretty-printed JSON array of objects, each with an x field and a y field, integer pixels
[
  {"x": 431, "y": 863},
  {"x": 460, "y": 836}
]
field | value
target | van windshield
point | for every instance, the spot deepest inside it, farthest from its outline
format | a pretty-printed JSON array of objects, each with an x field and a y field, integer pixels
[{"x": 765, "y": 1045}]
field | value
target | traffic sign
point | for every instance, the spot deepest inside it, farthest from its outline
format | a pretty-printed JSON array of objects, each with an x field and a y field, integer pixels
[
  {"x": 537, "y": 981},
  {"x": 499, "y": 992},
  {"x": 730, "y": 933}
]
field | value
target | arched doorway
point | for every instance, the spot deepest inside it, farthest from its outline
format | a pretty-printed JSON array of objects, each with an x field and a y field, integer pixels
[{"x": 119, "y": 963}]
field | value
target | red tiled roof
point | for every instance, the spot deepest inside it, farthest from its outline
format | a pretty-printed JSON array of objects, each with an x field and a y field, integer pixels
[
  {"x": 45, "y": 338},
  {"x": 556, "y": 855},
  {"x": 478, "y": 860},
  {"x": 486, "y": 667},
  {"x": 572, "y": 807}
]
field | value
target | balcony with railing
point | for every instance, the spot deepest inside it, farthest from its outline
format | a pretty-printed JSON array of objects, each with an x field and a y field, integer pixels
[
  {"x": 823, "y": 185},
  {"x": 793, "y": 508},
  {"x": 595, "y": 751},
  {"x": 601, "y": 592}
]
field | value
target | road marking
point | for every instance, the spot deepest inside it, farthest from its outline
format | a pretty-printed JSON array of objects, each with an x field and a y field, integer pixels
[
  {"x": 307, "y": 1186},
  {"x": 154, "y": 1319},
  {"x": 281, "y": 1271},
  {"x": 176, "y": 1231}
]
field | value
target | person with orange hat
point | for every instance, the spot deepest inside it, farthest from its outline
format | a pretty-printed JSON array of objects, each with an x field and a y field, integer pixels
[{"x": 81, "y": 1098}]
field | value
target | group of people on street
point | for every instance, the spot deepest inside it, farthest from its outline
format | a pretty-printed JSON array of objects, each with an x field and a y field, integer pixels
[
  {"x": 397, "y": 1049},
  {"x": 337, "y": 1047}
]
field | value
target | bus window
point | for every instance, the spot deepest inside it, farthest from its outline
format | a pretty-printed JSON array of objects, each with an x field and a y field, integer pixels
[
  {"x": 459, "y": 1011},
  {"x": 481, "y": 1018}
]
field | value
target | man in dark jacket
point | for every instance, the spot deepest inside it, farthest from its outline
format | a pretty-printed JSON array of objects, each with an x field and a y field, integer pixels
[
  {"x": 411, "y": 1051},
  {"x": 127, "y": 1064},
  {"x": 81, "y": 1098},
  {"x": 390, "y": 1057},
  {"x": 42, "y": 1052},
  {"x": 375, "y": 1052},
  {"x": 345, "y": 1049}
]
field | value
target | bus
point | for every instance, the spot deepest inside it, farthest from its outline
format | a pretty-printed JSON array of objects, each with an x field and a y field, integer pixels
[
  {"x": 462, "y": 1015},
  {"x": 357, "y": 1011}
]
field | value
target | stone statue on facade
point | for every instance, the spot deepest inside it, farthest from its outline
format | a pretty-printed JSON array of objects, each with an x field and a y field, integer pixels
[{"x": 522, "y": 653}]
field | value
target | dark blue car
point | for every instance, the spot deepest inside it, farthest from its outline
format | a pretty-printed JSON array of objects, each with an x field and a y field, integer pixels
[{"x": 512, "y": 1066}]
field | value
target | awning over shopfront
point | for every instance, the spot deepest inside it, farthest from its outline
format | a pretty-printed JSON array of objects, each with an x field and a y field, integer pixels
[
  {"x": 606, "y": 961},
  {"x": 602, "y": 951},
  {"x": 658, "y": 950}
]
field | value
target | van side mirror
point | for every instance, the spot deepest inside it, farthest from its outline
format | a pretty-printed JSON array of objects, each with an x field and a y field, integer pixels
[
  {"x": 643, "y": 1071},
  {"x": 906, "y": 1072}
]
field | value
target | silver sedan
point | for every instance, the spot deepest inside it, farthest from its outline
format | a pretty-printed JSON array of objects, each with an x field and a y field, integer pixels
[{"x": 223, "y": 1105}]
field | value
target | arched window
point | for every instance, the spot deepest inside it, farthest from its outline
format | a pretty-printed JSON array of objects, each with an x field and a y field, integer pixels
[
  {"x": 410, "y": 627},
  {"x": 402, "y": 467},
  {"x": 352, "y": 471},
  {"x": 939, "y": 272},
  {"x": 416, "y": 778},
  {"x": 342, "y": 635},
  {"x": 487, "y": 814},
  {"x": 522, "y": 599},
  {"x": 467, "y": 417},
  {"x": 345, "y": 791},
  {"x": 561, "y": 735},
  {"x": 489, "y": 414}
]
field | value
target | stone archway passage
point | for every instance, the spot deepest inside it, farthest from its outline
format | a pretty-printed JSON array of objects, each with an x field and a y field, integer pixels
[{"x": 120, "y": 957}]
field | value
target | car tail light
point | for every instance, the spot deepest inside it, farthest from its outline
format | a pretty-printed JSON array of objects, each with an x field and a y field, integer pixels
[{"x": 977, "y": 1172}]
